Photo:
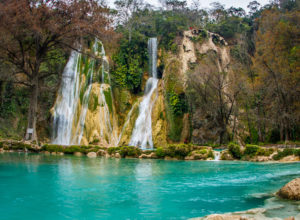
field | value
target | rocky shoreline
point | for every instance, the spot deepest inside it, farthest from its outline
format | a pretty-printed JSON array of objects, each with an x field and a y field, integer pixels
[
  {"x": 232, "y": 152},
  {"x": 290, "y": 191}
]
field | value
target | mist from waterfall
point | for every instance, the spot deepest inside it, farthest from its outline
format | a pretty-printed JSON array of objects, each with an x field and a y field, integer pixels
[{"x": 142, "y": 132}]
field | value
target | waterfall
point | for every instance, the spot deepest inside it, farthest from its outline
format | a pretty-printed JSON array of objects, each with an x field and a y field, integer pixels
[
  {"x": 107, "y": 127},
  {"x": 217, "y": 155},
  {"x": 66, "y": 102},
  {"x": 142, "y": 132},
  {"x": 72, "y": 103}
]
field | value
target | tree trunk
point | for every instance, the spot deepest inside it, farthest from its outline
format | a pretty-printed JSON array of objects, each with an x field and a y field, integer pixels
[{"x": 32, "y": 112}]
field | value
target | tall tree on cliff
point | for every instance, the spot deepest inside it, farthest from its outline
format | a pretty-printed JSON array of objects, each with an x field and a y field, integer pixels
[{"x": 32, "y": 30}]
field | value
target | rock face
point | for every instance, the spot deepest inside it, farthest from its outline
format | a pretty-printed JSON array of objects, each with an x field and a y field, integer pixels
[{"x": 291, "y": 190}]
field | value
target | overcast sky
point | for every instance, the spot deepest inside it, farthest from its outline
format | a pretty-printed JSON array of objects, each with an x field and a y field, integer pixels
[{"x": 205, "y": 3}]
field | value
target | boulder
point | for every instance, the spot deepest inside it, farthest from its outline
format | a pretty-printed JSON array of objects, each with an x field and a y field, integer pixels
[
  {"x": 1, "y": 150},
  {"x": 226, "y": 155},
  {"x": 60, "y": 153},
  {"x": 78, "y": 154},
  {"x": 46, "y": 152},
  {"x": 117, "y": 155},
  {"x": 92, "y": 155},
  {"x": 148, "y": 156},
  {"x": 101, "y": 152},
  {"x": 53, "y": 153},
  {"x": 291, "y": 190}
]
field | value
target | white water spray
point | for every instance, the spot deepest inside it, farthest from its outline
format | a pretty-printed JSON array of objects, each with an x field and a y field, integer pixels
[
  {"x": 217, "y": 155},
  {"x": 74, "y": 97},
  {"x": 66, "y": 103},
  {"x": 142, "y": 132}
]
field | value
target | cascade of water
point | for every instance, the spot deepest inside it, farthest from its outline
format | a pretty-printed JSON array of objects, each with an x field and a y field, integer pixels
[
  {"x": 217, "y": 155},
  {"x": 107, "y": 128},
  {"x": 142, "y": 132},
  {"x": 74, "y": 96},
  {"x": 66, "y": 102}
]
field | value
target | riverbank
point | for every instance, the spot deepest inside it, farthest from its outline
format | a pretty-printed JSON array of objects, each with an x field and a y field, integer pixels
[{"x": 253, "y": 153}]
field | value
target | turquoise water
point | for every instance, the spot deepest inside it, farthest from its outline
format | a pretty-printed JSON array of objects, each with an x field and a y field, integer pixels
[{"x": 54, "y": 187}]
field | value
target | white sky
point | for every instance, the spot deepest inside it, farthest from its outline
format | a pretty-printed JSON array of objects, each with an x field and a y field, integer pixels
[{"x": 205, "y": 3}]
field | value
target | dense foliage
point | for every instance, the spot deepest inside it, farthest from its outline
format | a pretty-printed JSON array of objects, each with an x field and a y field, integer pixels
[{"x": 260, "y": 103}]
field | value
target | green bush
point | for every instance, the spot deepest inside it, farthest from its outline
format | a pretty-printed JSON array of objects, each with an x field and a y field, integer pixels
[
  {"x": 112, "y": 150},
  {"x": 284, "y": 153},
  {"x": 178, "y": 151},
  {"x": 235, "y": 150},
  {"x": 53, "y": 148},
  {"x": 203, "y": 151},
  {"x": 297, "y": 152},
  {"x": 129, "y": 151},
  {"x": 251, "y": 150},
  {"x": 211, "y": 154},
  {"x": 20, "y": 146},
  {"x": 264, "y": 152},
  {"x": 160, "y": 153},
  {"x": 74, "y": 148}
]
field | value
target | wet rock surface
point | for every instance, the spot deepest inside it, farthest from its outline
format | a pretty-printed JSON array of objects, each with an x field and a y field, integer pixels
[{"x": 291, "y": 190}]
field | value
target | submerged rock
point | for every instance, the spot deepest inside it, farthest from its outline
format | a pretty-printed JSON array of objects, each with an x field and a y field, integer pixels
[
  {"x": 148, "y": 156},
  {"x": 78, "y": 154},
  {"x": 117, "y": 155},
  {"x": 92, "y": 155},
  {"x": 291, "y": 190}
]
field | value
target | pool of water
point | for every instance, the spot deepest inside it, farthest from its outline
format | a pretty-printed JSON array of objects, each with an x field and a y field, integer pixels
[{"x": 35, "y": 186}]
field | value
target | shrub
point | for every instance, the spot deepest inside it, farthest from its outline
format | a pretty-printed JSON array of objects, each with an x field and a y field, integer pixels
[
  {"x": 211, "y": 155},
  {"x": 264, "y": 152},
  {"x": 129, "y": 151},
  {"x": 53, "y": 148},
  {"x": 284, "y": 153},
  {"x": 160, "y": 153},
  {"x": 203, "y": 151},
  {"x": 251, "y": 150},
  {"x": 235, "y": 150},
  {"x": 20, "y": 146},
  {"x": 73, "y": 149},
  {"x": 179, "y": 151},
  {"x": 297, "y": 152},
  {"x": 112, "y": 150}
]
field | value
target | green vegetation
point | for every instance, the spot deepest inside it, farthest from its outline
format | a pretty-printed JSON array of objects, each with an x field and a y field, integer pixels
[
  {"x": 286, "y": 152},
  {"x": 257, "y": 99},
  {"x": 70, "y": 149},
  {"x": 235, "y": 150}
]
